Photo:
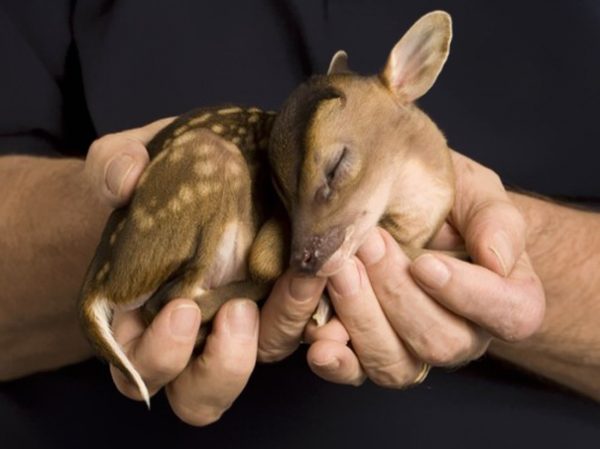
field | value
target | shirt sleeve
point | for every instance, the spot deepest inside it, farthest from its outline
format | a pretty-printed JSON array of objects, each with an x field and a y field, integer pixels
[{"x": 42, "y": 107}]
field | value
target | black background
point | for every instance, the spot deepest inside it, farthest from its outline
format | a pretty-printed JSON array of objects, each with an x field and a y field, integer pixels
[{"x": 519, "y": 93}]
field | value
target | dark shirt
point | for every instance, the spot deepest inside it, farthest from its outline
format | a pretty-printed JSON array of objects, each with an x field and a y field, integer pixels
[{"x": 520, "y": 93}]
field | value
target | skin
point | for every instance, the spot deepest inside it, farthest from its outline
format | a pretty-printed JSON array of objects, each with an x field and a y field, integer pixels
[
  {"x": 397, "y": 322},
  {"x": 39, "y": 329},
  {"x": 457, "y": 322}
]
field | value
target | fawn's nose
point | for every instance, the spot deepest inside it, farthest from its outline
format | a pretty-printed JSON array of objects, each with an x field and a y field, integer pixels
[{"x": 309, "y": 254}]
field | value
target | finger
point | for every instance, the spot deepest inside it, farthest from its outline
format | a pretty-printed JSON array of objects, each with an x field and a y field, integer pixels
[
  {"x": 285, "y": 314},
  {"x": 159, "y": 352},
  {"x": 435, "y": 334},
  {"x": 332, "y": 330},
  {"x": 381, "y": 353},
  {"x": 509, "y": 308},
  {"x": 115, "y": 162},
  {"x": 210, "y": 383},
  {"x": 114, "y": 165},
  {"x": 335, "y": 362},
  {"x": 491, "y": 225},
  {"x": 446, "y": 239}
]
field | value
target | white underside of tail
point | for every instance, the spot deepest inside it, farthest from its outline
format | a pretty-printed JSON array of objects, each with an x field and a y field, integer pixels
[{"x": 102, "y": 313}]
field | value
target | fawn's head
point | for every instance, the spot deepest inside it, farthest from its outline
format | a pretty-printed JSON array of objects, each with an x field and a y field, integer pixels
[{"x": 339, "y": 139}]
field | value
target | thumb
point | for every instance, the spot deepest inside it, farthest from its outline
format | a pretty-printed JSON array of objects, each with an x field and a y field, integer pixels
[
  {"x": 492, "y": 227},
  {"x": 160, "y": 351},
  {"x": 495, "y": 236},
  {"x": 114, "y": 164}
]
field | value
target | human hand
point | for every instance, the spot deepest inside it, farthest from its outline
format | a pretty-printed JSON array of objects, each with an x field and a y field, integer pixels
[
  {"x": 199, "y": 389},
  {"x": 425, "y": 313}
]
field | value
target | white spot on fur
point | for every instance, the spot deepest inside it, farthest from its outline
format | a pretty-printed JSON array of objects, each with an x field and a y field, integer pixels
[
  {"x": 217, "y": 129},
  {"x": 186, "y": 194},
  {"x": 184, "y": 139},
  {"x": 203, "y": 150},
  {"x": 103, "y": 271},
  {"x": 206, "y": 188},
  {"x": 234, "y": 169},
  {"x": 174, "y": 205},
  {"x": 205, "y": 168},
  {"x": 229, "y": 110},
  {"x": 203, "y": 118},
  {"x": 143, "y": 220},
  {"x": 175, "y": 155}
]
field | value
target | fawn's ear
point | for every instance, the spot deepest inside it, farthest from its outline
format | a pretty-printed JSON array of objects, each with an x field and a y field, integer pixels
[
  {"x": 417, "y": 59},
  {"x": 339, "y": 63}
]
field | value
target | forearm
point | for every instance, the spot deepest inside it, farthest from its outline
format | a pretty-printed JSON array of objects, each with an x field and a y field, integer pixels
[
  {"x": 564, "y": 245},
  {"x": 50, "y": 221}
]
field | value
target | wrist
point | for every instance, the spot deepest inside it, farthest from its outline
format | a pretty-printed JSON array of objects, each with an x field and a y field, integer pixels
[
  {"x": 564, "y": 248},
  {"x": 55, "y": 223}
]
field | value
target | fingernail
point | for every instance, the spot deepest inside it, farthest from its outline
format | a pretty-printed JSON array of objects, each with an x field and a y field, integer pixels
[
  {"x": 347, "y": 281},
  {"x": 431, "y": 271},
  {"x": 185, "y": 321},
  {"x": 373, "y": 249},
  {"x": 328, "y": 364},
  {"x": 304, "y": 288},
  {"x": 242, "y": 319},
  {"x": 502, "y": 249},
  {"x": 117, "y": 172}
]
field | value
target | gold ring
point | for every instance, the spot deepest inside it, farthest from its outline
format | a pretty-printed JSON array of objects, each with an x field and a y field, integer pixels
[{"x": 423, "y": 373}]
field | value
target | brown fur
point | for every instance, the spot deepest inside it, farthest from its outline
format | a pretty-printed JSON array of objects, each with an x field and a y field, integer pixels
[
  {"x": 346, "y": 152},
  {"x": 384, "y": 140}
]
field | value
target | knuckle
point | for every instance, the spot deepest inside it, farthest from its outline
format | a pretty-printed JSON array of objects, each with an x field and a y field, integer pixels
[
  {"x": 270, "y": 354},
  {"x": 525, "y": 318},
  {"x": 109, "y": 144},
  {"x": 124, "y": 385},
  {"x": 130, "y": 147},
  {"x": 519, "y": 223},
  {"x": 358, "y": 381},
  {"x": 393, "y": 286},
  {"x": 163, "y": 366},
  {"x": 447, "y": 350},
  {"x": 394, "y": 375},
  {"x": 295, "y": 317},
  {"x": 492, "y": 176},
  {"x": 361, "y": 327},
  {"x": 438, "y": 355},
  {"x": 198, "y": 416},
  {"x": 235, "y": 368},
  {"x": 101, "y": 145}
]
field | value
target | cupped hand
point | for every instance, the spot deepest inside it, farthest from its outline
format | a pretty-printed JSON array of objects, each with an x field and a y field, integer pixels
[
  {"x": 395, "y": 317},
  {"x": 199, "y": 388}
]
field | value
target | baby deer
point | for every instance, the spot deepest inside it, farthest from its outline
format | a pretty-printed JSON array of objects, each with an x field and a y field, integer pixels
[{"x": 345, "y": 153}]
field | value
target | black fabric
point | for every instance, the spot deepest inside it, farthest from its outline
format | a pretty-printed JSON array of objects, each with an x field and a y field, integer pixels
[{"x": 519, "y": 93}]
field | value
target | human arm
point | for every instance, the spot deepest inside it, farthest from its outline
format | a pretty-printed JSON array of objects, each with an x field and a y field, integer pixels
[
  {"x": 410, "y": 319},
  {"x": 52, "y": 218},
  {"x": 49, "y": 222},
  {"x": 564, "y": 246}
]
